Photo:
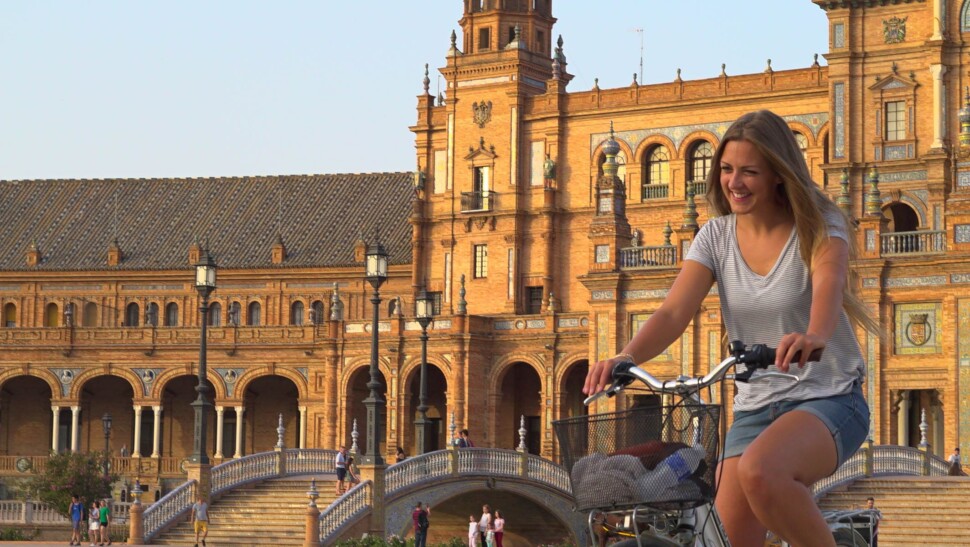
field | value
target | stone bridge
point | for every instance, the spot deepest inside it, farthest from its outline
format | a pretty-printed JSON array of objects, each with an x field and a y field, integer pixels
[{"x": 456, "y": 483}]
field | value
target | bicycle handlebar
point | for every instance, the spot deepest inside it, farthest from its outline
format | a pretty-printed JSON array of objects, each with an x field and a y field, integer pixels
[{"x": 758, "y": 356}]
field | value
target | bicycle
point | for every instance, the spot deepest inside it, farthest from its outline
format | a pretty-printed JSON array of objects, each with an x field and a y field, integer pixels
[{"x": 654, "y": 467}]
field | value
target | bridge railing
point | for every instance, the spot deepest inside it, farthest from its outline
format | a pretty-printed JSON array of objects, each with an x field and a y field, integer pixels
[
  {"x": 165, "y": 511},
  {"x": 306, "y": 461},
  {"x": 872, "y": 460},
  {"x": 345, "y": 511},
  {"x": 491, "y": 462}
]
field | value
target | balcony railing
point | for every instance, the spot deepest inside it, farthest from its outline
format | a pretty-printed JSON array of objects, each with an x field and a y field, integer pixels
[
  {"x": 654, "y": 191},
  {"x": 477, "y": 201},
  {"x": 699, "y": 187},
  {"x": 912, "y": 243},
  {"x": 635, "y": 258}
]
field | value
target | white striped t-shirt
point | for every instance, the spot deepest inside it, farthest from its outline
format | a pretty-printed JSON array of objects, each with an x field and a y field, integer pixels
[{"x": 761, "y": 309}]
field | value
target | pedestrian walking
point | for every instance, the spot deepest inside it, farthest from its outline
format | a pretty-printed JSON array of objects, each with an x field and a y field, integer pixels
[
  {"x": 200, "y": 520},
  {"x": 472, "y": 531},
  {"x": 499, "y": 528},
  {"x": 76, "y": 510},
  {"x": 956, "y": 465},
  {"x": 104, "y": 519},
  {"x": 94, "y": 523},
  {"x": 340, "y": 466},
  {"x": 421, "y": 525},
  {"x": 483, "y": 523}
]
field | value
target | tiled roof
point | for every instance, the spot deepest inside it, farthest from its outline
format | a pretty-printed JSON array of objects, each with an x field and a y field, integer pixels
[{"x": 73, "y": 221}]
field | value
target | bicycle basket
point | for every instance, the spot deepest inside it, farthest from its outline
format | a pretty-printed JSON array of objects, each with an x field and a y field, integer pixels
[{"x": 662, "y": 457}]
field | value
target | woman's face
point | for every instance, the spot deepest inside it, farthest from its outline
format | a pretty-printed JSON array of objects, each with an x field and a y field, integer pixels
[{"x": 748, "y": 182}]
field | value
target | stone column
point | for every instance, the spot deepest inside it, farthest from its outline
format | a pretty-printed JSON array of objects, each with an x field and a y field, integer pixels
[
  {"x": 220, "y": 411},
  {"x": 239, "y": 431},
  {"x": 937, "y": 20},
  {"x": 57, "y": 426},
  {"x": 75, "y": 434},
  {"x": 135, "y": 453},
  {"x": 302, "y": 441},
  {"x": 157, "y": 433},
  {"x": 937, "y": 71},
  {"x": 902, "y": 419}
]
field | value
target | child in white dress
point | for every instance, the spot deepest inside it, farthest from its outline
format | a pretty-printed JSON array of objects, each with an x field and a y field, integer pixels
[{"x": 472, "y": 531}]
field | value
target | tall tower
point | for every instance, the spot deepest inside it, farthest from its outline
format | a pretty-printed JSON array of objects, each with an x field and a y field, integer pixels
[{"x": 489, "y": 26}]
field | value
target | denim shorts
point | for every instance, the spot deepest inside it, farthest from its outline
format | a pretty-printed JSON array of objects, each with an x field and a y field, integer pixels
[{"x": 846, "y": 416}]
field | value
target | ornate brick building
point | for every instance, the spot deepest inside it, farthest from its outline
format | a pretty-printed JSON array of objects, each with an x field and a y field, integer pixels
[{"x": 547, "y": 224}]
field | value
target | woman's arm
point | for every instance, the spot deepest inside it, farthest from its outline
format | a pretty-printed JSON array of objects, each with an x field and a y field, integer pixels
[
  {"x": 831, "y": 266},
  {"x": 664, "y": 326}
]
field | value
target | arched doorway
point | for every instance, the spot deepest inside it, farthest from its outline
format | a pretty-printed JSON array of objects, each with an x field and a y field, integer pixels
[
  {"x": 902, "y": 217},
  {"x": 519, "y": 396},
  {"x": 102, "y": 395},
  {"x": 437, "y": 437},
  {"x": 571, "y": 392},
  {"x": 265, "y": 399},
  {"x": 357, "y": 391},
  {"x": 177, "y": 428},
  {"x": 25, "y": 418}
]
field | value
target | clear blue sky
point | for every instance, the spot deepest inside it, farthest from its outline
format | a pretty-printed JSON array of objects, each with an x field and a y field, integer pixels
[{"x": 173, "y": 88}]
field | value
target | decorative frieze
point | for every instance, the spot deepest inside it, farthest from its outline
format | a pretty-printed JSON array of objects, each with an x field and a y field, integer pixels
[
  {"x": 603, "y": 295},
  {"x": 921, "y": 281}
]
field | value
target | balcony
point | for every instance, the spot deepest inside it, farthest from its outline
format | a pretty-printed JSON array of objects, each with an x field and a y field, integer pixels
[
  {"x": 642, "y": 258},
  {"x": 912, "y": 243},
  {"x": 654, "y": 191},
  {"x": 473, "y": 202},
  {"x": 699, "y": 188}
]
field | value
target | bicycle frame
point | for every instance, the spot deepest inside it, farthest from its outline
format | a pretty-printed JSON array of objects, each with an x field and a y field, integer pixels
[{"x": 710, "y": 532}]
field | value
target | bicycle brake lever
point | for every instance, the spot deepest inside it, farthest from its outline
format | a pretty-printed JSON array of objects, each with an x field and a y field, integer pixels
[{"x": 608, "y": 392}]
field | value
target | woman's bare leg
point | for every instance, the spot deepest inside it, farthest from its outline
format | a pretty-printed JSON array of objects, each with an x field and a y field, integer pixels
[
  {"x": 776, "y": 473},
  {"x": 740, "y": 523}
]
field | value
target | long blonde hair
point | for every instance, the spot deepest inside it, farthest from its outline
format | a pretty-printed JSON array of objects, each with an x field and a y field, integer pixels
[{"x": 809, "y": 205}]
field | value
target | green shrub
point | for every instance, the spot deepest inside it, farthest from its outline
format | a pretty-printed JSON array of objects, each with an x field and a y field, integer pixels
[
  {"x": 70, "y": 473},
  {"x": 15, "y": 534}
]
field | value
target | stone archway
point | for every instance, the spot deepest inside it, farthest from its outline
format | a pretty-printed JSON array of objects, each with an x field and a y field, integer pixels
[
  {"x": 25, "y": 417},
  {"x": 354, "y": 408},
  {"x": 177, "y": 427},
  {"x": 519, "y": 395},
  {"x": 437, "y": 408},
  {"x": 102, "y": 395},
  {"x": 265, "y": 399}
]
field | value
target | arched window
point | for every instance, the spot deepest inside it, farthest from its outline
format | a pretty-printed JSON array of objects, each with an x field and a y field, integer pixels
[
  {"x": 171, "y": 314},
  {"x": 151, "y": 316},
  {"x": 802, "y": 142},
  {"x": 90, "y": 318},
  {"x": 235, "y": 312},
  {"x": 10, "y": 315},
  {"x": 131, "y": 315},
  {"x": 51, "y": 316},
  {"x": 296, "y": 313},
  {"x": 252, "y": 318},
  {"x": 215, "y": 314},
  {"x": 656, "y": 173},
  {"x": 902, "y": 217},
  {"x": 701, "y": 156},
  {"x": 316, "y": 312}
]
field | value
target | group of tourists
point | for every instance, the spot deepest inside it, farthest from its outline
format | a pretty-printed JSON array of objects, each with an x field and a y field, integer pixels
[
  {"x": 488, "y": 530},
  {"x": 98, "y": 516},
  {"x": 346, "y": 471}
]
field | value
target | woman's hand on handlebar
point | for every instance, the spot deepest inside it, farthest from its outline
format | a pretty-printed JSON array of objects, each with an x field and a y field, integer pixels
[
  {"x": 795, "y": 342},
  {"x": 600, "y": 375}
]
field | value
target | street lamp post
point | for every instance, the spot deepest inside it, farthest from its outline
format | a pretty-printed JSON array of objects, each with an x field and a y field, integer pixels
[
  {"x": 106, "y": 425},
  {"x": 424, "y": 310},
  {"x": 205, "y": 283},
  {"x": 375, "y": 273}
]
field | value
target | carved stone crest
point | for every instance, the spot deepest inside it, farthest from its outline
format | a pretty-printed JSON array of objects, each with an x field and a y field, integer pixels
[
  {"x": 918, "y": 331},
  {"x": 482, "y": 112},
  {"x": 894, "y": 30}
]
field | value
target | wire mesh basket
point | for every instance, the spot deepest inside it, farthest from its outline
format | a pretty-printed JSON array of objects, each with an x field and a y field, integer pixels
[{"x": 663, "y": 457}]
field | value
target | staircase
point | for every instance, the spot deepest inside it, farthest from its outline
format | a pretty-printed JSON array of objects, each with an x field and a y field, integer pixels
[
  {"x": 272, "y": 512},
  {"x": 925, "y": 511}
]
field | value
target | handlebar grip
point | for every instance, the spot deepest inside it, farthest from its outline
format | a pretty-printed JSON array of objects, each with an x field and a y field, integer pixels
[{"x": 814, "y": 356}]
